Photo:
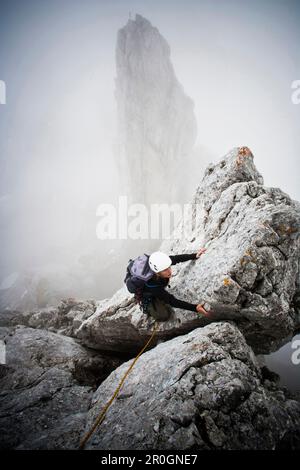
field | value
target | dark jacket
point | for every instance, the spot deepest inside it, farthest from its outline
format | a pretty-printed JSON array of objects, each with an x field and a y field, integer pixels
[{"x": 156, "y": 287}]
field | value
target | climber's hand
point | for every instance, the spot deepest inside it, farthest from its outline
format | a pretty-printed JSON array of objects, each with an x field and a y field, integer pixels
[
  {"x": 200, "y": 252},
  {"x": 201, "y": 309}
]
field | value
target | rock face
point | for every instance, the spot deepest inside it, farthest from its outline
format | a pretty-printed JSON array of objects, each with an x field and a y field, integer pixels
[
  {"x": 46, "y": 387},
  {"x": 213, "y": 396},
  {"x": 156, "y": 123},
  {"x": 249, "y": 273},
  {"x": 250, "y": 270}
]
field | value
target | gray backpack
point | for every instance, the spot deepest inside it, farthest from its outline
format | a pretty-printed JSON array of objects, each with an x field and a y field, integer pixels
[{"x": 138, "y": 272}]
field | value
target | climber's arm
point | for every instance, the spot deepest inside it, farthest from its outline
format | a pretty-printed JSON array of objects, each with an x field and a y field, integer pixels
[
  {"x": 168, "y": 298},
  {"x": 180, "y": 258}
]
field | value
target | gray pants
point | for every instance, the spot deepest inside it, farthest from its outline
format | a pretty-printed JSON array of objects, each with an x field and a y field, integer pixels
[{"x": 159, "y": 310}]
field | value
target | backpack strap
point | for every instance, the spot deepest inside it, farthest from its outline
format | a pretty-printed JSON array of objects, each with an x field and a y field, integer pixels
[{"x": 153, "y": 285}]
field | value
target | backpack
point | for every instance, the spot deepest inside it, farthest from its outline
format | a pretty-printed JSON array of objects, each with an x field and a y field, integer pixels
[{"x": 138, "y": 273}]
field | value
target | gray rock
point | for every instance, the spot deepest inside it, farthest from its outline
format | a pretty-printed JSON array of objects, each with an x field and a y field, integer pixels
[
  {"x": 250, "y": 270},
  {"x": 46, "y": 386},
  {"x": 65, "y": 318},
  {"x": 203, "y": 390}
]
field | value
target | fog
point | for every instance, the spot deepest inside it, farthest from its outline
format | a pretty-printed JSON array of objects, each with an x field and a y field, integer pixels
[{"x": 237, "y": 60}]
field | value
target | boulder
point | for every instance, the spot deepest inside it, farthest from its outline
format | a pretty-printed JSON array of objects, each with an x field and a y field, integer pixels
[
  {"x": 203, "y": 390},
  {"x": 46, "y": 386}
]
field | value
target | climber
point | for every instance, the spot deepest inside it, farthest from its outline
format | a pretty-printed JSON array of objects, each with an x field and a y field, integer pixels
[{"x": 155, "y": 298}]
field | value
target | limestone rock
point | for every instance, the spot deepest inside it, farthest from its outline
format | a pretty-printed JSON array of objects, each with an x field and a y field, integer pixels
[
  {"x": 251, "y": 268},
  {"x": 46, "y": 386},
  {"x": 65, "y": 318},
  {"x": 203, "y": 390}
]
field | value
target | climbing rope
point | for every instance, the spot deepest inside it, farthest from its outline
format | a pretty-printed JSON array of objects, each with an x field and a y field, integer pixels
[{"x": 99, "y": 419}]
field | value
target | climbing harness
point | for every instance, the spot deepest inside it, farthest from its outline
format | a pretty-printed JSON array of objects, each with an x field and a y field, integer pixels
[{"x": 99, "y": 419}]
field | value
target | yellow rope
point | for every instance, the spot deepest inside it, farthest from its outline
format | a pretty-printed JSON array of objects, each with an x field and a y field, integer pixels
[{"x": 102, "y": 414}]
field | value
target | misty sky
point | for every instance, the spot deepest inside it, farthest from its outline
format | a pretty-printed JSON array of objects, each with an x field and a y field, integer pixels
[{"x": 235, "y": 59}]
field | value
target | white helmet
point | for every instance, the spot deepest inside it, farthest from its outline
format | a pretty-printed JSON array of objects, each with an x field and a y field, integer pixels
[{"x": 159, "y": 261}]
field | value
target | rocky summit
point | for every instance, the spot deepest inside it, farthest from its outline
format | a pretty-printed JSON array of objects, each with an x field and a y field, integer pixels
[{"x": 157, "y": 127}]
